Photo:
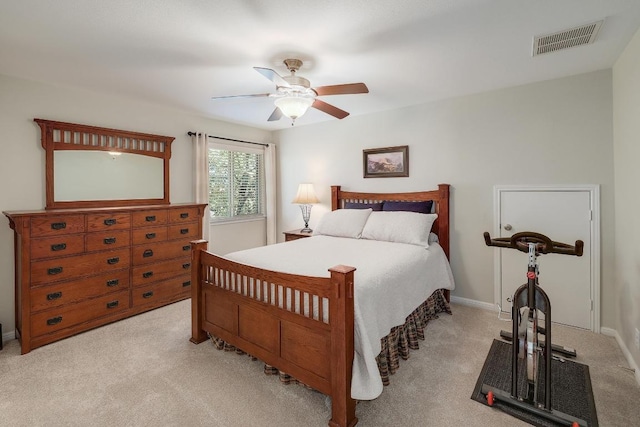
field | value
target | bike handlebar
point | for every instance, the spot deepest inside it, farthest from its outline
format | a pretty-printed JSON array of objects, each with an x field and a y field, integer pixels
[{"x": 544, "y": 245}]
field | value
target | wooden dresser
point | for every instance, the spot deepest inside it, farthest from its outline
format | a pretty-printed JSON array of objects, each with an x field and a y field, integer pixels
[{"x": 77, "y": 269}]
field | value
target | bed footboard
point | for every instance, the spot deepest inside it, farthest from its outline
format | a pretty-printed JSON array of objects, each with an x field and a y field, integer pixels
[{"x": 301, "y": 325}]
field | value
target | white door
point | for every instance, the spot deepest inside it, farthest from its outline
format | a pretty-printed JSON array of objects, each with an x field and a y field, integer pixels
[{"x": 564, "y": 216}]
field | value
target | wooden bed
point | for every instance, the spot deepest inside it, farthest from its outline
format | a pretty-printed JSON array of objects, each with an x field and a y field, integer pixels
[{"x": 255, "y": 309}]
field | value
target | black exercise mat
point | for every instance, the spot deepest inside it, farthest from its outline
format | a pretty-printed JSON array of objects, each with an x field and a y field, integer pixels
[{"x": 571, "y": 391}]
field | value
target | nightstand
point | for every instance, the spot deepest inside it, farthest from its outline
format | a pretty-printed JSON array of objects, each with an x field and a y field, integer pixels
[{"x": 295, "y": 235}]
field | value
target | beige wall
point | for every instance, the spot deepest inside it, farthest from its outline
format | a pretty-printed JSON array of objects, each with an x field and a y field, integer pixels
[
  {"x": 626, "y": 145},
  {"x": 563, "y": 126},
  {"x": 22, "y": 157},
  {"x": 237, "y": 236},
  {"x": 554, "y": 132}
]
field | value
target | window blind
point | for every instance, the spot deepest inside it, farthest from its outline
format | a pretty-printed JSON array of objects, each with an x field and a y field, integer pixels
[{"x": 236, "y": 182}]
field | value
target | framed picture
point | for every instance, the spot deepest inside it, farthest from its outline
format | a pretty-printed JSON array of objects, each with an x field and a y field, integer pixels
[{"x": 386, "y": 162}]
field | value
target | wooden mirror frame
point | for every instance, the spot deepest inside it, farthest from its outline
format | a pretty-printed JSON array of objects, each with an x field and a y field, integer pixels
[{"x": 71, "y": 136}]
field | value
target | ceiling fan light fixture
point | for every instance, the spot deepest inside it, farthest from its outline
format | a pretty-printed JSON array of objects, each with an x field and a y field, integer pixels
[
  {"x": 294, "y": 94},
  {"x": 294, "y": 106}
]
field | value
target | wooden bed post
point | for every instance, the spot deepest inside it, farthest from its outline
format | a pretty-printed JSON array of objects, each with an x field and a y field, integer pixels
[
  {"x": 198, "y": 335},
  {"x": 343, "y": 407},
  {"x": 443, "y": 226},
  {"x": 335, "y": 201},
  {"x": 443, "y": 218}
]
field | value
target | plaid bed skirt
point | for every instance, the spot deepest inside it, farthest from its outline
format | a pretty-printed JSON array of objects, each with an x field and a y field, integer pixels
[{"x": 398, "y": 344}]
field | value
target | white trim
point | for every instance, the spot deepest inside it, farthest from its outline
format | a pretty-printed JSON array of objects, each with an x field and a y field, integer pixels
[
  {"x": 627, "y": 354},
  {"x": 237, "y": 219},
  {"x": 8, "y": 336},
  {"x": 594, "y": 197},
  {"x": 473, "y": 303}
]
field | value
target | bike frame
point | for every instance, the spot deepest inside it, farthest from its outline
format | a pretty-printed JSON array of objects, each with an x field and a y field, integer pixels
[{"x": 531, "y": 295}]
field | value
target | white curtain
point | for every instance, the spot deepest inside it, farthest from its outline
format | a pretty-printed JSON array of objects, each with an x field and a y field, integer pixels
[
  {"x": 270, "y": 187},
  {"x": 201, "y": 179}
]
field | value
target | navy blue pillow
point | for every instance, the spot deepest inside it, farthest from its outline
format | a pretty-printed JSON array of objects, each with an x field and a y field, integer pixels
[
  {"x": 420, "y": 207},
  {"x": 353, "y": 205}
]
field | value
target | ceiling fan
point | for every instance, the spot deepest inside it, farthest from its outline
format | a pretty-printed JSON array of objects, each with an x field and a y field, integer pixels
[{"x": 294, "y": 94}]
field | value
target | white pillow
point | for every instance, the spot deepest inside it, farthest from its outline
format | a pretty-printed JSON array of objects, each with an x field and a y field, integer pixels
[
  {"x": 400, "y": 227},
  {"x": 343, "y": 223}
]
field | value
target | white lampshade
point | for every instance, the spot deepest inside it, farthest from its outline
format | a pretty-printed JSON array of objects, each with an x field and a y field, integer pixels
[
  {"x": 305, "y": 195},
  {"x": 294, "y": 106}
]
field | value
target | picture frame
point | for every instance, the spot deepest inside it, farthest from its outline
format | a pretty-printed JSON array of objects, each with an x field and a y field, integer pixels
[{"x": 387, "y": 162}]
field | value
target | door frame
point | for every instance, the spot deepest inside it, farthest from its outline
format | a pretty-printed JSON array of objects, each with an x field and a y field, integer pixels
[{"x": 594, "y": 197}]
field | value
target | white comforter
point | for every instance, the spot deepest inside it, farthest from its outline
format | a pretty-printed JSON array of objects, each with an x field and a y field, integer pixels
[{"x": 391, "y": 281}]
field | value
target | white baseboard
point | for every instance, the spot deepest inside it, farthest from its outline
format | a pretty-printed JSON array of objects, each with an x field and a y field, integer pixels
[
  {"x": 8, "y": 336},
  {"x": 627, "y": 354},
  {"x": 473, "y": 303}
]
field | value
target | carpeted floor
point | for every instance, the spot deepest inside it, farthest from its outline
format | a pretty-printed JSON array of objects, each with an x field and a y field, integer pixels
[{"x": 144, "y": 371}]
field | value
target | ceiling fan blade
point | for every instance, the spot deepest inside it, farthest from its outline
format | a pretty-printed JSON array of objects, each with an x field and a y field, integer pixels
[
  {"x": 329, "y": 109},
  {"x": 257, "y": 95},
  {"x": 272, "y": 75},
  {"x": 275, "y": 116},
  {"x": 346, "y": 89}
]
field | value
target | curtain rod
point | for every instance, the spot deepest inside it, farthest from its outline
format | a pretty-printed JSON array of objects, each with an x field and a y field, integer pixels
[{"x": 190, "y": 133}]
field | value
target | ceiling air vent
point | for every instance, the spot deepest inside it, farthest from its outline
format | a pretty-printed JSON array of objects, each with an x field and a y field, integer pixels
[{"x": 578, "y": 36}]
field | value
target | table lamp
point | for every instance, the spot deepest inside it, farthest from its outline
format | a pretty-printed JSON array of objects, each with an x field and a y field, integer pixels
[{"x": 305, "y": 198}]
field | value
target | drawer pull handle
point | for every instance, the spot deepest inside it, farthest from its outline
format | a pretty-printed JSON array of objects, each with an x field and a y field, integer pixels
[
  {"x": 187, "y": 265},
  {"x": 184, "y": 215},
  {"x": 150, "y": 235},
  {"x": 54, "y": 295},
  {"x": 54, "y": 320},
  {"x": 109, "y": 240},
  {"x": 110, "y": 221},
  {"x": 184, "y": 230},
  {"x": 147, "y": 294},
  {"x": 185, "y": 284},
  {"x": 112, "y": 304},
  {"x": 53, "y": 271},
  {"x": 186, "y": 247},
  {"x": 113, "y": 282},
  {"x": 147, "y": 253},
  {"x": 58, "y": 225},
  {"x": 147, "y": 274},
  {"x": 150, "y": 218},
  {"x": 113, "y": 260},
  {"x": 58, "y": 247}
]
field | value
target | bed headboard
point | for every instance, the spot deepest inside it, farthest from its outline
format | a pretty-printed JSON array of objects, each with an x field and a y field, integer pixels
[{"x": 440, "y": 199}]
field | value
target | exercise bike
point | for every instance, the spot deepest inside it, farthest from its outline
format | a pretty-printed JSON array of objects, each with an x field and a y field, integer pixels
[{"x": 529, "y": 300}]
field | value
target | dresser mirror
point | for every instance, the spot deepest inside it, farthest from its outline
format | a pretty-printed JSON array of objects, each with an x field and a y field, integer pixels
[{"x": 88, "y": 166}]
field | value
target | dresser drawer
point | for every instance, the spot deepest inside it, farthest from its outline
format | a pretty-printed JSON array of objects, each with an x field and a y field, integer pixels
[
  {"x": 162, "y": 292},
  {"x": 73, "y": 291},
  {"x": 57, "y": 246},
  {"x": 149, "y": 218},
  {"x": 144, "y": 254},
  {"x": 108, "y": 240},
  {"x": 183, "y": 215},
  {"x": 183, "y": 231},
  {"x": 149, "y": 235},
  {"x": 101, "y": 222},
  {"x": 57, "y": 225},
  {"x": 54, "y": 270},
  {"x": 146, "y": 274},
  {"x": 69, "y": 315}
]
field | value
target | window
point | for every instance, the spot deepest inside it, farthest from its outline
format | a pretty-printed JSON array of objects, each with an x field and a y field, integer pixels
[{"x": 236, "y": 182}]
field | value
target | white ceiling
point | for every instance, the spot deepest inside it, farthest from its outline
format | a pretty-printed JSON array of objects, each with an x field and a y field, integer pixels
[{"x": 182, "y": 52}]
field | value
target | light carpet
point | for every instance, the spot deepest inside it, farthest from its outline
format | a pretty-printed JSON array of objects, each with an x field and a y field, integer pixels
[{"x": 143, "y": 371}]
